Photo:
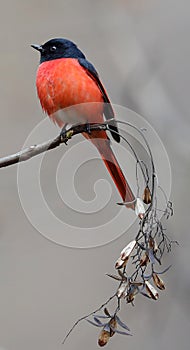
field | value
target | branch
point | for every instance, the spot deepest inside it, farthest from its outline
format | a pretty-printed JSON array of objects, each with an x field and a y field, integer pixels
[
  {"x": 138, "y": 261},
  {"x": 144, "y": 253},
  {"x": 65, "y": 135}
]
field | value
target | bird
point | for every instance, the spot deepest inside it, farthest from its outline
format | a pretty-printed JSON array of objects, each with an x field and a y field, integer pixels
[{"x": 65, "y": 78}]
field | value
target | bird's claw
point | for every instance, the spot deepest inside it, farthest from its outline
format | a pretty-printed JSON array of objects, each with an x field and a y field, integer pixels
[
  {"x": 63, "y": 134},
  {"x": 88, "y": 130}
]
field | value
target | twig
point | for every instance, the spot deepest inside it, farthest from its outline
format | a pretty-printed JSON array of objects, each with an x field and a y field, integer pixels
[
  {"x": 150, "y": 241},
  {"x": 34, "y": 150},
  {"x": 85, "y": 317},
  {"x": 145, "y": 252}
]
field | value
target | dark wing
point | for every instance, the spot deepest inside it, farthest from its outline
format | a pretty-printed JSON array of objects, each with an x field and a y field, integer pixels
[{"x": 108, "y": 110}]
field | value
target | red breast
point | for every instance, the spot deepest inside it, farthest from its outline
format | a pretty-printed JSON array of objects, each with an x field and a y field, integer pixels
[{"x": 62, "y": 83}]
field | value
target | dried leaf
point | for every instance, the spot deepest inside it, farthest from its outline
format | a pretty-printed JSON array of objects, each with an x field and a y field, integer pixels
[
  {"x": 101, "y": 316},
  {"x": 165, "y": 270},
  {"x": 121, "y": 324},
  {"x": 151, "y": 256},
  {"x": 158, "y": 281},
  {"x": 147, "y": 195},
  {"x": 95, "y": 324},
  {"x": 115, "y": 277},
  {"x": 97, "y": 321},
  {"x": 126, "y": 252},
  {"x": 123, "y": 333},
  {"x": 151, "y": 291}
]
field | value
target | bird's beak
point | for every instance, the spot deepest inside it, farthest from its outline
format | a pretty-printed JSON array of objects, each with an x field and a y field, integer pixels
[{"x": 38, "y": 48}]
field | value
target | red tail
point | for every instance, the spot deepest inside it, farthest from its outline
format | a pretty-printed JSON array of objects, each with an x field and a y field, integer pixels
[{"x": 103, "y": 146}]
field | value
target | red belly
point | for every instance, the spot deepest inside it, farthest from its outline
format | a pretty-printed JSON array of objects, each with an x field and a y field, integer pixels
[{"x": 63, "y": 83}]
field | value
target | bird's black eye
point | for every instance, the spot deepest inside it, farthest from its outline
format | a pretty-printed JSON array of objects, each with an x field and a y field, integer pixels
[{"x": 53, "y": 48}]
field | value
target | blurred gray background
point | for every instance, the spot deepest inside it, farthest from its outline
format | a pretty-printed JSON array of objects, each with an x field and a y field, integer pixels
[{"x": 141, "y": 50}]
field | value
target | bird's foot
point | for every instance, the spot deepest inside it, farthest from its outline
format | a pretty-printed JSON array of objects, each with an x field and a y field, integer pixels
[
  {"x": 63, "y": 134},
  {"x": 88, "y": 129}
]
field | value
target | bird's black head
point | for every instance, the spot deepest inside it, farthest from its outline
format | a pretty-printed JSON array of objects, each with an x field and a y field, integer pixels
[{"x": 58, "y": 48}]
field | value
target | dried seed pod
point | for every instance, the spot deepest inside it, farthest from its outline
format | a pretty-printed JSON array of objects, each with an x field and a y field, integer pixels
[
  {"x": 144, "y": 260},
  {"x": 120, "y": 263},
  {"x": 107, "y": 312},
  {"x": 139, "y": 208},
  {"x": 147, "y": 196},
  {"x": 121, "y": 290},
  {"x": 158, "y": 281},
  {"x": 103, "y": 337},
  {"x": 113, "y": 325},
  {"x": 130, "y": 297},
  {"x": 141, "y": 216},
  {"x": 153, "y": 245},
  {"x": 126, "y": 252},
  {"x": 136, "y": 284},
  {"x": 131, "y": 294},
  {"x": 151, "y": 291},
  {"x": 122, "y": 275}
]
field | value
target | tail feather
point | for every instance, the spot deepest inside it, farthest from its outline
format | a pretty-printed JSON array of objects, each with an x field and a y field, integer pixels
[{"x": 111, "y": 163}]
